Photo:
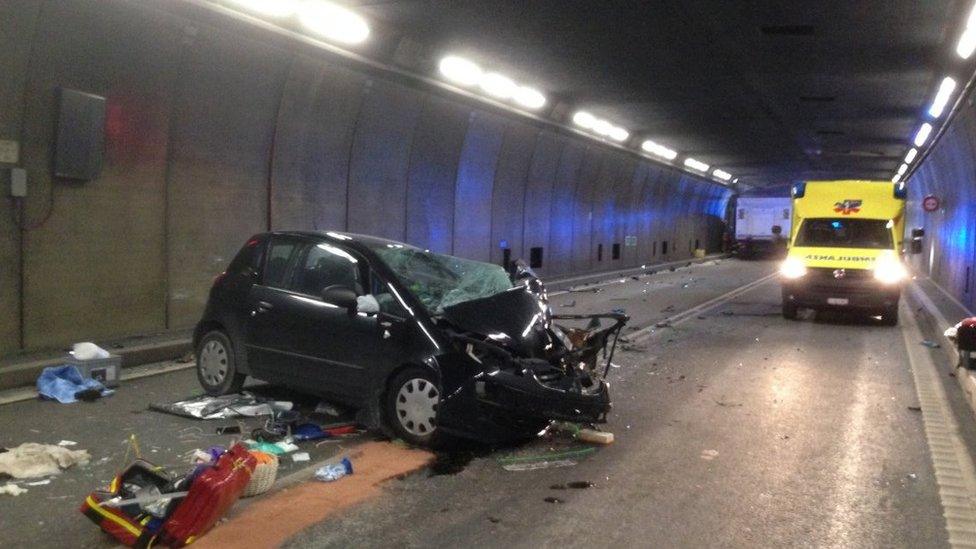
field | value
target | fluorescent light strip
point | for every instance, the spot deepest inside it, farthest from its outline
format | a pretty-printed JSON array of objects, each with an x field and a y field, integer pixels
[
  {"x": 896, "y": 178},
  {"x": 696, "y": 164},
  {"x": 600, "y": 126},
  {"x": 967, "y": 42},
  {"x": 946, "y": 88},
  {"x": 659, "y": 150},
  {"x": 722, "y": 174},
  {"x": 910, "y": 157},
  {"x": 465, "y": 72},
  {"x": 333, "y": 22},
  {"x": 923, "y": 134},
  {"x": 902, "y": 169}
]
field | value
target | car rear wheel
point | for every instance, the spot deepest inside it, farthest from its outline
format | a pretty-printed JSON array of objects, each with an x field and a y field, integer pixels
[
  {"x": 216, "y": 368},
  {"x": 789, "y": 310},
  {"x": 411, "y": 406}
]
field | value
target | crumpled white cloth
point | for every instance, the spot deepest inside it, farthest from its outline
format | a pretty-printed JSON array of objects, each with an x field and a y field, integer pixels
[
  {"x": 12, "y": 489},
  {"x": 32, "y": 460}
]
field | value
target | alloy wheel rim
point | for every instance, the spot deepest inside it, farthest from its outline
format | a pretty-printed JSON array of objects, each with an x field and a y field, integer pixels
[
  {"x": 416, "y": 406},
  {"x": 213, "y": 362}
]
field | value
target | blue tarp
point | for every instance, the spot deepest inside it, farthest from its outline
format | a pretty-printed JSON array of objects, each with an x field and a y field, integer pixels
[{"x": 61, "y": 383}]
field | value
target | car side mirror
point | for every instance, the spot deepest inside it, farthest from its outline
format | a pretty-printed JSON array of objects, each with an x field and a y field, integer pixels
[{"x": 340, "y": 296}]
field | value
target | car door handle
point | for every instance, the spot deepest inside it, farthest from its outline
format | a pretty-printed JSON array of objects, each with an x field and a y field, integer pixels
[{"x": 264, "y": 306}]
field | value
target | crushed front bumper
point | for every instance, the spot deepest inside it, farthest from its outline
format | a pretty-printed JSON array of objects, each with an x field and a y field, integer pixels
[{"x": 524, "y": 394}]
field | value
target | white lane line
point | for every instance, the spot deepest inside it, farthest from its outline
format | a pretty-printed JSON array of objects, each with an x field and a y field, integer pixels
[
  {"x": 954, "y": 470},
  {"x": 645, "y": 332}
]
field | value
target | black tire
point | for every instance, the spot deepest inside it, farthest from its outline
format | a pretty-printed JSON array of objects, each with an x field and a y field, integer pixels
[
  {"x": 890, "y": 316},
  {"x": 411, "y": 403},
  {"x": 789, "y": 310},
  {"x": 217, "y": 366}
]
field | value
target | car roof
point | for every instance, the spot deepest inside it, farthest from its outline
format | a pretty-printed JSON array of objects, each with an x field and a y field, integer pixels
[{"x": 344, "y": 237}]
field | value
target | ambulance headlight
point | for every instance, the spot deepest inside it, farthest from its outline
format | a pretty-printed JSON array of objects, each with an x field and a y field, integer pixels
[
  {"x": 890, "y": 271},
  {"x": 793, "y": 268}
]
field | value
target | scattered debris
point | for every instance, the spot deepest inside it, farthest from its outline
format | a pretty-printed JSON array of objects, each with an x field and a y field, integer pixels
[
  {"x": 915, "y": 408},
  {"x": 709, "y": 455},
  {"x": 663, "y": 324},
  {"x": 580, "y": 484},
  {"x": 334, "y": 471},
  {"x": 545, "y": 461},
  {"x": 67, "y": 443},
  {"x": 570, "y": 303},
  {"x": 912, "y": 476},
  {"x": 494, "y": 520},
  {"x": 31, "y": 460},
  {"x": 551, "y": 499},
  {"x": 327, "y": 409},
  {"x": 557, "y": 487},
  {"x": 39, "y": 482},
  {"x": 728, "y": 313},
  {"x": 300, "y": 456},
  {"x": 728, "y": 404},
  {"x": 931, "y": 344},
  {"x": 12, "y": 489},
  {"x": 243, "y": 404},
  {"x": 66, "y": 384}
]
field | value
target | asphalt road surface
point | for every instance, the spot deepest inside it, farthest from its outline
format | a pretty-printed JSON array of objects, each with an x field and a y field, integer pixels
[
  {"x": 736, "y": 428},
  {"x": 733, "y": 426}
]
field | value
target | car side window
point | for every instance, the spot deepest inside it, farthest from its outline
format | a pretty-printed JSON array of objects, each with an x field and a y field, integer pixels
[
  {"x": 388, "y": 303},
  {"x": 282, "y": 254},
  {"x": 327, "y": 265}
]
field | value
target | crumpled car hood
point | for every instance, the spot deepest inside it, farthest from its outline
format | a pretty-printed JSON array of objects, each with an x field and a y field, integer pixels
[{"x": 515, "y": 319}]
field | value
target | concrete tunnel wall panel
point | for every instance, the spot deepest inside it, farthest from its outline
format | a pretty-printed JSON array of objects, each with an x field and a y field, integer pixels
[
  {"x": 949, "y": 173},
  {"x": 537, "y": 209},
  {"x": 378, "y": 165},
  {"x": 217, "y": 193},
  {"x": 217, "y": 131},
  {"x": 508, "y": 191},
  {"x": 431, "y": 182},
  {"x": 316, "y": 123}
]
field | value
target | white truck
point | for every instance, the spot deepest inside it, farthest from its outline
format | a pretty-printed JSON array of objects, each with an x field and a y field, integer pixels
[{"x": 762, "y": 225}]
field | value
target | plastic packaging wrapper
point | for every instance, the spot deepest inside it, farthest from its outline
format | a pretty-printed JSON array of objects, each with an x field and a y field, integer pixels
[{"x": 223, "y": 407}]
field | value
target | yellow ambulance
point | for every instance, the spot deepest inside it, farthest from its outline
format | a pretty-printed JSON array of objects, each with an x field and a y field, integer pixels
[{"x": 845, "y": 248}]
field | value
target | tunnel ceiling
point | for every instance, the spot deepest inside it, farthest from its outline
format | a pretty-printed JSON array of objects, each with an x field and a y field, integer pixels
[{"x": 769, "y": 91}]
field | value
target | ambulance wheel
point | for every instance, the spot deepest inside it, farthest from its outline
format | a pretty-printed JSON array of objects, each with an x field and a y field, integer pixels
[
  {"x": 789, "y": 310},
  {"x": 890, "y": 316},
  {"x": 216, "y": 367}
]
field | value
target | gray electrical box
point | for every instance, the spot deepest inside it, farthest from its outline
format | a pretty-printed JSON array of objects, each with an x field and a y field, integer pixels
[{"x": 18, "y": 182}]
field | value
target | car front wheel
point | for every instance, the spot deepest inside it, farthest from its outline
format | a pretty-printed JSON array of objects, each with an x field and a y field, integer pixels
[
  {"x": 216, "y": 367},
  {"x": 411, "y": 406}
]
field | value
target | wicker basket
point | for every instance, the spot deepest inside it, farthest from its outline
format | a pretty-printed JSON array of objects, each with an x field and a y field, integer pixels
[{"x": 264, "y": 474}]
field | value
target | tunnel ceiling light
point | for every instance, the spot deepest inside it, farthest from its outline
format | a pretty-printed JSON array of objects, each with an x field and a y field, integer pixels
[
  {"x": 722, "y": 174},
  {"x": 602, "y": 127},
  {"x": 497, "y": 85},
  {"x": 910, "y": 157},
  {"x": 659, "y": 150},
  {"x": 269, "y": 8},
  {"x": 923, "y": 134},
  {"x": 584, "y": 120},
  {"x": 967, "y": 42},
  {"x": 696, "y": 164},
  {"x": 465, "y": 72},
  {"x": 946, "y": 88},
  {"x": 619, "y": 134},
  {"x": 333, "y": 22},
  {"x": 902, "y": 169},
  {"x": 460, "y": 71},
  {"x": 529, "y": 98}
]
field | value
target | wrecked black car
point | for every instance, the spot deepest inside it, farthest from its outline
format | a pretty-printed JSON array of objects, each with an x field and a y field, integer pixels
[{"x": 422, "y": 343}]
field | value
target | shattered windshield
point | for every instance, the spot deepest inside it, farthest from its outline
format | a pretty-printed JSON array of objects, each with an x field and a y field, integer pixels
[{"x": 440, "y": 281}]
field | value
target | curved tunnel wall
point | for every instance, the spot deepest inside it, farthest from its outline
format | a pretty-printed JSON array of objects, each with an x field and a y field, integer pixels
[
  {"x": 949, "y": 173},
  {"x": 212, "y": 136}
]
